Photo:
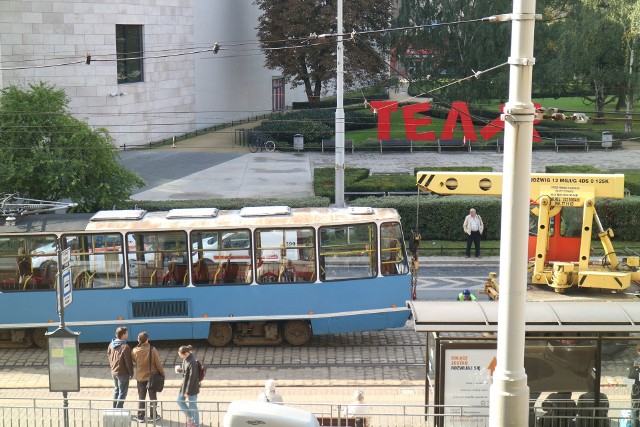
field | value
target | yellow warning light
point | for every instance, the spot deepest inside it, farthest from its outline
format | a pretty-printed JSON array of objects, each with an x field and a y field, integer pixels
[
  {"x": 393, "y": 306},
  {"x": 310, "y": 313},
  {"x": 205, "y": 315},
  {"x": 50, "y": 321},
  {"x": 119, "y": 317}
]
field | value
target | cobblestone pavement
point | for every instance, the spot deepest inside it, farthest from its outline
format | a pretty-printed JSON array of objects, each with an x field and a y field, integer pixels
[{"x": 388, "y": 364}]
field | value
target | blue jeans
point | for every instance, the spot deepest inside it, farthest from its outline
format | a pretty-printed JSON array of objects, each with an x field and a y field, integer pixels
[
  {"x": 190, "y": 409},
  {"x": 120, "y": 389}
]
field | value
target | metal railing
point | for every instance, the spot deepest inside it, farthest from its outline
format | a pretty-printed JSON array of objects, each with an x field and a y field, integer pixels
[{"x": 26, "y": 412}]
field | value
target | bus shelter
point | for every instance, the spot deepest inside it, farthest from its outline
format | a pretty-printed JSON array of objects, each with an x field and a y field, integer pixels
[{"x": 579, "y": 353}]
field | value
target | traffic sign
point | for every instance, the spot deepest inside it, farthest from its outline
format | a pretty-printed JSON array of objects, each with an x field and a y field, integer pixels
[
  {"x": 66, "y": 257},
  {"x": 67, "y": 296}
]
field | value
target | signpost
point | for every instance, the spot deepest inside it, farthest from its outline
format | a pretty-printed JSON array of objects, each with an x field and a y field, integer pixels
[{"x": 64, "y": 366}]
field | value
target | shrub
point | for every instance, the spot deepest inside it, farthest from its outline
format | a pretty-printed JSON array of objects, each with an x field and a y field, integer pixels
[
  {"x": 314, "y": 132},
  {"x": 324, "y": 180}
]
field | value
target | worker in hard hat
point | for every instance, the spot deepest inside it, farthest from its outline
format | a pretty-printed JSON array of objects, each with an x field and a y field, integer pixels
[{"x": 466, "y": 295}]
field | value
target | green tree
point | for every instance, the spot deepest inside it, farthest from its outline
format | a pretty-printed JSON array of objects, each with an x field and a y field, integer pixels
[
  {"x": 48, "y": 154},
  {"x": 284, "y": 28},
  {"x": 590, "y": 54},
  {"x": 457, "y": 50}
]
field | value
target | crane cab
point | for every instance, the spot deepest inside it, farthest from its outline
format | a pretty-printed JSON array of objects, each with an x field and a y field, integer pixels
[{"x": 564, "y": 234}]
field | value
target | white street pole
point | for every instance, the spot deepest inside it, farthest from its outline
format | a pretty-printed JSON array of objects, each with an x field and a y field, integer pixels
[
  {"x": 509, "y": 392},
  {"x": 339, "y": 137}
]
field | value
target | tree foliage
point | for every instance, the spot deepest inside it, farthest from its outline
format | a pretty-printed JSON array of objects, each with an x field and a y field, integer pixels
[
  {"x": 584, "y": 49},
  {"x": 443, "y": 53},
  {"x": 284, "y": 28},
  {"x": 48, "y": 154}
]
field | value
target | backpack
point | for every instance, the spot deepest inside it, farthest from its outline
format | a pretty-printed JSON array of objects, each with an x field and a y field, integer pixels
[{"x": 202, "y": 371}]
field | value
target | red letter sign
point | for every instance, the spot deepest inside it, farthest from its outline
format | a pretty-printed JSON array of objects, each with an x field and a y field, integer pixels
[
  {"x": 459, "y": 108},
  {"x": 384, "y": 109},
  {"x": 411, "y": 122}
]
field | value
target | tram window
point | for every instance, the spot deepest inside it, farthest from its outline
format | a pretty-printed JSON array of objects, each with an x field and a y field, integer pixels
[
  {"x": 571, "y": 222},
  {"x": 348, "y": 252},
  {"x": 97, "y": 260},
  {"x": 285, "y": 255},
  {"x": 27, "y": 262},
  {"x": 221, "y": 257},
  {"x": 158, "y": 259},
  {"x": 392, "y": 251}
]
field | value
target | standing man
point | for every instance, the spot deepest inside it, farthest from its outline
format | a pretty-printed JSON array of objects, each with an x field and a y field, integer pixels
[
  {"x": 147, "y": 362},
  {"x": 473, "y": 227},
  {"x": 121, "y": 363},
  {"x": 190, "y": 387}
]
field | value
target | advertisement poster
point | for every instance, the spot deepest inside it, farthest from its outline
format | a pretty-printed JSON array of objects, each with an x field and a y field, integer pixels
[{"x": 467, "y": 379}]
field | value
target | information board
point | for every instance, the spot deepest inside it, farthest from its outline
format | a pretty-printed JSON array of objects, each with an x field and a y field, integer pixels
[{"x": 64, "y": 367}]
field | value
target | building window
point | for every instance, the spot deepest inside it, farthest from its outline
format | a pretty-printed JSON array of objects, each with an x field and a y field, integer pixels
[
  {"x": 129, "y": 52},
  {"x": 277, "y": 94}
]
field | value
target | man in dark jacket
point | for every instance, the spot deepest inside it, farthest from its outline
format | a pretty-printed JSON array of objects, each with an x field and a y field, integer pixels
[
  {"x": 121, "y": 364},
  {"x": 190, "y": 387}
]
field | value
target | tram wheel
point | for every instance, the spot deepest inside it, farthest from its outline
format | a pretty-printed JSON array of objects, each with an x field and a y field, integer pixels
[
  {"x": 39, "y": 338},
  {"x": 220, "y": 334},
  {"x": 297, "y": 332}
]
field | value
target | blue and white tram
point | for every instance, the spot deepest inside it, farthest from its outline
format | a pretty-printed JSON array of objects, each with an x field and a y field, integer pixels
[{"x": 255, "y": 276}]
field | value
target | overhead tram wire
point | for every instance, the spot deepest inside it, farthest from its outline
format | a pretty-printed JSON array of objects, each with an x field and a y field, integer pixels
[{"x": 94, "y": 57}]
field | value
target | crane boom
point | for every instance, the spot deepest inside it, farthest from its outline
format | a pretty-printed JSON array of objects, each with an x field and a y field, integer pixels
[{"x": 562, "y": 188}]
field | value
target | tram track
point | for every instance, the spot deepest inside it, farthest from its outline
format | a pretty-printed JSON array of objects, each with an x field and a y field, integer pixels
[{"x": 382, "y": 349}]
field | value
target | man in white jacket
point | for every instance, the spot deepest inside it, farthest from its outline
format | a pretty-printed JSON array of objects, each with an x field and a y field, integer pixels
[{"x": 473, "y": 227}]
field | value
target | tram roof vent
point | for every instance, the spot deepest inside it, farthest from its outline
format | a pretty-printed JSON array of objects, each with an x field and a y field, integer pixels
[
  {"x": 193, "y": 213},
  {"x": 360, "y": 210},
  {"x": 119, "y": 215},
  {"x": 265, "y": 210}
]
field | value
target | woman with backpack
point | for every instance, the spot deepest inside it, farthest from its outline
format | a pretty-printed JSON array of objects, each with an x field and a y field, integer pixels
[{"x": 188, "y": 395}]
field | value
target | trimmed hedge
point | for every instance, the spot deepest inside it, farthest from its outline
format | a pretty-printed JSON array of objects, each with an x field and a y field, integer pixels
[
  {"x": 324, "y": 180},
  {"x": 440, "y": 217},
  {"x": 226, "y": 204},
  {"x": 452, "y": 169},
  {"x": 315, "y": 125}
]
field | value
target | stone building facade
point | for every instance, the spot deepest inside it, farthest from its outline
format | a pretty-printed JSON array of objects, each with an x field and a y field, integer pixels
[{"x": 152, "y": 73}]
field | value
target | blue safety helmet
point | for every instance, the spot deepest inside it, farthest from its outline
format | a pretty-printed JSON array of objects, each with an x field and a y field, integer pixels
[{"x": 466, "y": 293}]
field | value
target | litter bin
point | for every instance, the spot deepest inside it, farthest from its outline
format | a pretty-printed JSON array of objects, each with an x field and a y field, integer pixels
[
  {"x": 607, "y": 139},
  {"x": 298, "y": 142}
]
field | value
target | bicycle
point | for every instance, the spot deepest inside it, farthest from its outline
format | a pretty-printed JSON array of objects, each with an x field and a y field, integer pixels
[{"x": 259, "y": 143}]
